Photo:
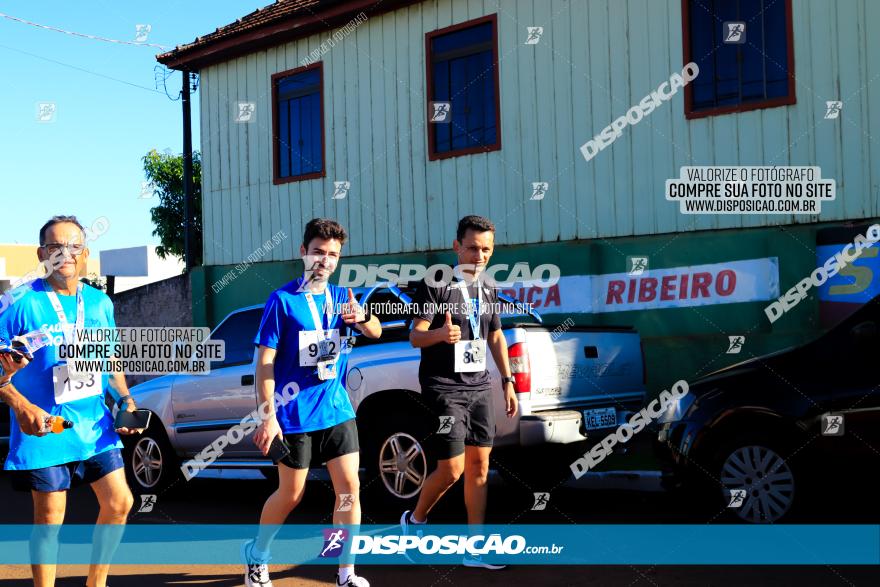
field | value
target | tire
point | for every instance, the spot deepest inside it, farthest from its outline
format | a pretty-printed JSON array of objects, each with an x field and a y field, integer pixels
[
  {"x": 394, "y": 456},
  {"x": 759, "y": 481},
  {"x": 151, "y": 465}
]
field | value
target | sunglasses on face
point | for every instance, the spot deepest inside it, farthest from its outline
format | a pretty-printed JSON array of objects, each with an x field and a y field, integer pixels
[{"x": 72, "y": 248}]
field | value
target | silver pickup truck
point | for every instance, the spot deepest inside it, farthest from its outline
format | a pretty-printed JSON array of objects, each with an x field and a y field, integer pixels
[{"x": 572, "y": 382}]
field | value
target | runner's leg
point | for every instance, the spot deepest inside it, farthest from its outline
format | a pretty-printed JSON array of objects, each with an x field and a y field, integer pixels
[
  {"x": 291, "y": 488},
  {"x": 438, "y": 483},
  {"x": 344, "y": 475},
  {"x": 115, "y": 501},
  {"x": 476, "y": 487},
  {"x": 49, "y": 508}
]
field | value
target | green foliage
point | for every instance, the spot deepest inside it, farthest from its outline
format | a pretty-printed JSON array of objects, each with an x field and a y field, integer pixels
[
  {"x": 164, "y": 172},
  {"x": 96, "y": 281}
]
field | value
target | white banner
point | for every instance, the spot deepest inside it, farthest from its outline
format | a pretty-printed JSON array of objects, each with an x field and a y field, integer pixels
[{"x": 730, "y": 282}]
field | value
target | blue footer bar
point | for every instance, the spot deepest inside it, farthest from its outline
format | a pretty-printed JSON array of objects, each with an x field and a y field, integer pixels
[{"x": 524, "y": 544}]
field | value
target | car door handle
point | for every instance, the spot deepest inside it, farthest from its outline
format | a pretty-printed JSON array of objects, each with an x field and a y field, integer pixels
[{"x": 247, "y": 379}]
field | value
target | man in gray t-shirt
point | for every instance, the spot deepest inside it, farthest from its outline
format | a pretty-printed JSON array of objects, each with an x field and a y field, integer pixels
[{"x": 456, "y": 326}]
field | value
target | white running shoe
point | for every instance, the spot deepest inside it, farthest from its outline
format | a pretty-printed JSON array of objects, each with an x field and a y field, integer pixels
[
  {"x": 407, "y": 526},
  {"x": 477, "y": 562},
  {"x": 353, "y": 581},
  {"x": 256, "y": 572}
]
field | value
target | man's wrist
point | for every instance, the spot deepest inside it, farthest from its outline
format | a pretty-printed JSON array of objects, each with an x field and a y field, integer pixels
[{"x": 16, "y": 402}]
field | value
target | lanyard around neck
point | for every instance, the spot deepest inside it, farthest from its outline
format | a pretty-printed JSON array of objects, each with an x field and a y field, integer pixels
[
  {"x": 59, "y": 311},
  {"x": 316, "y": 318},
  {"x": 474, "y": 314}
]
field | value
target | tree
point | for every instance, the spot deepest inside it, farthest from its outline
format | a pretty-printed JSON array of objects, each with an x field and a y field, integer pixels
[
  {"x": 164, "y": 173},
  {"x": 96, "y": 281}
]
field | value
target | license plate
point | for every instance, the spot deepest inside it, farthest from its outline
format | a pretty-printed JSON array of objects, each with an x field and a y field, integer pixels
[{"x": 600, "y": 418}]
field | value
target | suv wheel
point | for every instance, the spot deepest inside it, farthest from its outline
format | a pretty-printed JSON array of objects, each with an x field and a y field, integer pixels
[{"x": 757, "y": 482}]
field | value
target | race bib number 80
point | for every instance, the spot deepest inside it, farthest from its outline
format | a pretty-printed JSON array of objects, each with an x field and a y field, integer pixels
[{"x": 470, "y": 356}]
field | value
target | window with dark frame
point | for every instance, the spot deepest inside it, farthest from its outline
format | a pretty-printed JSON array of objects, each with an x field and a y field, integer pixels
[
  {"x": 462, "y": 63},
  {"x": 298, "y": 124},
  {"x": 735, "y": 77}
]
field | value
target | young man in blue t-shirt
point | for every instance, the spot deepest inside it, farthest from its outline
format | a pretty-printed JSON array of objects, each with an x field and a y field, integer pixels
[
  {"x": 300, "y": 347},
  {"x": 36, "y": 387}
]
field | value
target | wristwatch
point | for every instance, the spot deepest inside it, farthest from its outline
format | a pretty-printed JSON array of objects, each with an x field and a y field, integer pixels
[
  {"x": 123, "y": 399},
  {"x": 367, "y": 317},
  {"x": 508, "y": 380}
]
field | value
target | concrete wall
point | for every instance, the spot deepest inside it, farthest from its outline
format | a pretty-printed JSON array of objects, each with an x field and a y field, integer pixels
[{"x": 161, "y": 303}]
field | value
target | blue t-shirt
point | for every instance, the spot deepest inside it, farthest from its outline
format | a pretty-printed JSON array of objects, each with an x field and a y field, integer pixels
[
  {"x": 93, "y": 431},
  {"x": 319, "y": 404}
]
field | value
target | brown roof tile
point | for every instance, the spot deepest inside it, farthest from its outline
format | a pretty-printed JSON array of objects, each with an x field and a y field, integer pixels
[
  {"x": 259, "y": 17},
  {"x": 279, "y": 22}
]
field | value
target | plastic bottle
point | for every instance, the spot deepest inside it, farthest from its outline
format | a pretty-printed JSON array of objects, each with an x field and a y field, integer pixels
[{"x": 56, "y": 424}]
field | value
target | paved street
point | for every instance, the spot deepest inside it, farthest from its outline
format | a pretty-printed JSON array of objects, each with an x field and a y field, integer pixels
[{"x": 231, "y": 499}]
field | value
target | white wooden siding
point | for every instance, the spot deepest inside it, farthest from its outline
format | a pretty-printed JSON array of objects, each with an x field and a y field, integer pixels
[{"x": 594, "y": 61}]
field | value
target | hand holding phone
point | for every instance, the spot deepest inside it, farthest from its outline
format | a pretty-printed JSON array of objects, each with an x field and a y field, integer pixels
[
  {"x": 11, "y": 361},
  {"x": 278, "y": 450},
  {"x": 136, "y": 420},
  {"x": 266, "y": 431}
]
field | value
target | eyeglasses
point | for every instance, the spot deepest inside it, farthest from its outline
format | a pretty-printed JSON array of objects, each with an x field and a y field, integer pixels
[{"x": 73, "y": 248}]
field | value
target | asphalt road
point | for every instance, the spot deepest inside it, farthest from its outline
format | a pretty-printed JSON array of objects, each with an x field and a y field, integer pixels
[{"x": 238, "y": 501}]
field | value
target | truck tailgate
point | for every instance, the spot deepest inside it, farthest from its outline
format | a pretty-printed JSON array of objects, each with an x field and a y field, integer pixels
[{"x": 584, "y": 366}]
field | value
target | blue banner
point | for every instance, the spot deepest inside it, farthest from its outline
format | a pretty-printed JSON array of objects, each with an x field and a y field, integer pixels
[{"x": 447, "y": 544}]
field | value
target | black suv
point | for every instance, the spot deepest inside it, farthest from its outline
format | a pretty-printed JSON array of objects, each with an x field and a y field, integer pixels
[{"x": 760, "y": 437}]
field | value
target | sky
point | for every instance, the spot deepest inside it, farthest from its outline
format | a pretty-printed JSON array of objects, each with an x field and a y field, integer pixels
[{"x": 87, "y": 161}]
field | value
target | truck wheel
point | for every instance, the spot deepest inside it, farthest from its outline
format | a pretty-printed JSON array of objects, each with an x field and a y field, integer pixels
[
  {"x": 394, "y": 456},
  {"x": 150, "y": 463}
]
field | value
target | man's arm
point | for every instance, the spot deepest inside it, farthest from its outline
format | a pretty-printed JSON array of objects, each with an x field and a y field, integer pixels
[
  {"x": 421, "y": 337},
  {"x": 498, "y": 346},
  {"x": 30, "y": 417},
  {"x": 116, "y": 378},
  {"x": 120, "y": 388},
  {"x": 269, "y": 428},
  {"x": 372, "y": 328}
]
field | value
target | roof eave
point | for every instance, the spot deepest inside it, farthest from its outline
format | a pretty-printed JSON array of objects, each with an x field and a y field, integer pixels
[{"x": 283, "y": 31}]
